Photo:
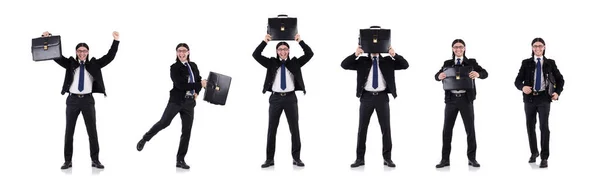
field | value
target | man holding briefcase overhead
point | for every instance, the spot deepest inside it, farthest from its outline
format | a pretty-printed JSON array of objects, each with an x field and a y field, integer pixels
[
  {"x": 83, "y": 76},
  {"x": 284, "y": 76},
  {"x": 375, "y": 79},
  {"x": 460, "y": 100}
]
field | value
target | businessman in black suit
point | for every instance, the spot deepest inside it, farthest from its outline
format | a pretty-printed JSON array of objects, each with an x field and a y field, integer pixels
[
  {"x": 460, "y": 101},
  {"x": 187, "y": 83},
  {"x": 541, "y": 82},
  {"x": 374, "y": 80},
  {"x": 83, "y": 76},
  {"x": 284, "y": 77}
]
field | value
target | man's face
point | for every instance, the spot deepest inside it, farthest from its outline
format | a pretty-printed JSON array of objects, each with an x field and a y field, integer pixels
[
  {"x": 182, "y": 54},
  {"x": 538, "y": 49},
  {"x": 82, "y": 53},
  {"x": 283, "y": 51},
  {"x": 458, "y": 49}
]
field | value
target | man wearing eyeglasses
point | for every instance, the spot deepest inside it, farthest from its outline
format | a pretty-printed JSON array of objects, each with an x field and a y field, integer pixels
[
  {"x": 541, "y": 82},
  {"x": 284, "y": 77},
  {"x": 460, "y": 100},
  {"x": 83, "y": 76},
  {"x": 375, "y": 80}
]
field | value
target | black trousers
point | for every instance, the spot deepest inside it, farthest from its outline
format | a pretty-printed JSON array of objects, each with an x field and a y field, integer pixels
[
  {"x": 370, "y": 102},
  {"x": 279, "y": 102},
  {"x": 538, "y": 105},
  {"x": 459, "y": 103},
  {"x": 81, "y": 104},
  {"x": 186, "y": 112}
]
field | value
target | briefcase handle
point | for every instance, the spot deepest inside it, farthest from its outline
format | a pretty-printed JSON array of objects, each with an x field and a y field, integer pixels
[
  {"x": 46, "y": 41},
  {"x": 282, "y": 16}
]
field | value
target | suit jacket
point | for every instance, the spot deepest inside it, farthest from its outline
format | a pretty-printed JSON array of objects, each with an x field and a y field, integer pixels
[
  {"x": 363, "y": 65},
  {"x": 526, "y": 76},
  {"x": 179, "y": 76},
  {"x": 293, "y": 65},
  {"x": 93, "y": 66},
  {"x": 471, "y": 93}
]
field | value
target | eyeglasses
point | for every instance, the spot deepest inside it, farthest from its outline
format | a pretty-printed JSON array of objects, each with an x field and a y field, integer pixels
[
  {"x": 458, "y": 47},
  {"x": 182, "y": 51},
  {"x": 82, "y": 51},
  {"x": 538, "y": 46},
  {"x": 283, "y": 49}
]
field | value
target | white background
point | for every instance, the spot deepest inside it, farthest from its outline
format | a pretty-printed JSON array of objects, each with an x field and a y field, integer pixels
[{"x": 228, "y": 142}]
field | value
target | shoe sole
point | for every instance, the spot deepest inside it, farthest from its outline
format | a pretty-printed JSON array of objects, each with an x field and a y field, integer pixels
[
  {"x": 357, "y": 165},
  {"x": 442, "y": 166},
  {"x": 267, "y": 166}
]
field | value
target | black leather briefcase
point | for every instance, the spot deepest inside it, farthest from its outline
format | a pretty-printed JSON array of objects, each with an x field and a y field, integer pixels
[
  {"x": 457, "y": 78},
  {"x": 46, "y": 48},
  {"x": 282, "y": 28},
  {"x": 375, "y": 40},
  {"x": 217, "y": 88}
]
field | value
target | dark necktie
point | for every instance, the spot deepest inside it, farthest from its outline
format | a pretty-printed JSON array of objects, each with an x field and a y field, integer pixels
[
  {"x": 458, "y": 61},
  {"x": 81, "y": 75},
  {"x": 191, "y": 75},
  {"x": 375, "y": 73},
  {"x": 538, "y": 75},
  {"x": 283, "y": 75}
]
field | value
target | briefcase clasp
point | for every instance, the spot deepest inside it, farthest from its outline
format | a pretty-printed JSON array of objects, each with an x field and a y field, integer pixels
[
  {"x": 45, "y": 45},
  {"x": 457, "y": 75},
  {"x": 217, "y": 88},
  {"x": 375, "y": 38},
  {"x": 282, "y": 28}
]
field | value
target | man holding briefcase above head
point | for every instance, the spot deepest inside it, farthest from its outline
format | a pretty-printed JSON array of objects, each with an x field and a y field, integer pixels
[
  {"x": 375, "y": 79},
  {"x": 460, "y": 100},
  {"x": 284, "y": 77},
  {"x": 83, "y": 76}
]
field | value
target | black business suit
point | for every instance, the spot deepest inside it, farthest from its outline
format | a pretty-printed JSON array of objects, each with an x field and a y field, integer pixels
[
  {"x": 371, "y": 101},
  {"x": 180, "y": 102},
  {"x": 463, "y": 103},
  {"x": 84, "y": 103},
  {"x": 538, "y": 102},
  {"x": 279, "y": 102}
]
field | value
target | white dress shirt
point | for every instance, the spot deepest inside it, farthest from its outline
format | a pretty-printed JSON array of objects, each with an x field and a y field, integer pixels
[{"x": 87, "y": 81}]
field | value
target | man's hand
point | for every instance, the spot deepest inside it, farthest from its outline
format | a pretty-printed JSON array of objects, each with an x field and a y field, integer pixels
[
  {"x": 526, "y": 89},
  {"x": 116, "y": 35},
  {"x": 442, "y": 76}
]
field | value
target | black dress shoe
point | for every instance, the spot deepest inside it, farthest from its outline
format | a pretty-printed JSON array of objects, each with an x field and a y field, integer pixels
[
  {"x": 269, "y": 162},
  {"x": 443, "y": 163},
  {"x": 474, "y": 163},
  {"x": 182, "y": 164},
  {"x": 533, "y": 157},
  {"x": 389, "y": 163},
  {"x": 66, "y": 165},
  {"x": 97, "y": 164},
  {"x": 140, "y": 145},
  {"x": 298, "y": 162},
  {"x": 358, "y": 162},
  {"x": 544, "y": 164}
]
